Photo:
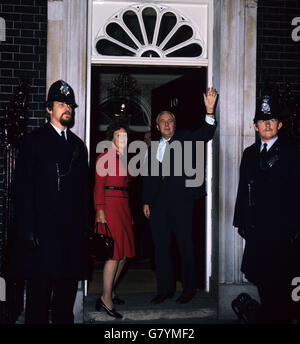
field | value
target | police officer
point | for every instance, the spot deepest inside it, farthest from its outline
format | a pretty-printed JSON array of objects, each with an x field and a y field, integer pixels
[
  {"x": 52, "y": 212},
  {"x": 267, "y": 215}
]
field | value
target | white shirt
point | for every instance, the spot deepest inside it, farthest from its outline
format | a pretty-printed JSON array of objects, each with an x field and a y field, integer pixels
[
  {"x": 162, "y": 143},
  {"x": 161, "y": 149},
  {"x": 210, "y": 120},
  {"x": 269, "y": 144},
  {"x": 59, "y": 130}
]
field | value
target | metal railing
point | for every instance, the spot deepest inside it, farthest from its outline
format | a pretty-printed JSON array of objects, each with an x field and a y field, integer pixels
[{"x": 13, "y": 127}]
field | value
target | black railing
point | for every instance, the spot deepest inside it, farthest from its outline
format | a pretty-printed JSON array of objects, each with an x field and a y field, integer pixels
[{"x": 13, "y": 127}]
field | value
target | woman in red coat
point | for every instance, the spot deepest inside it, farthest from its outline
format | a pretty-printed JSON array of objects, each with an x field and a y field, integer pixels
[{"x": 111, "y": 204}]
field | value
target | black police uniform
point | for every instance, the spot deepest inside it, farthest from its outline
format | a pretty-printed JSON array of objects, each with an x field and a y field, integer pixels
[
  {"x": 52, "y": 218},
  {"x": 267, "y": 215}
]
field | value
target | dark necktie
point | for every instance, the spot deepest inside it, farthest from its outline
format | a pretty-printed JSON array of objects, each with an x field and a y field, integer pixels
[
  {"x": 263, "y": 156},
  {"x": 63, "y": 136},
  {"x": 264, "y": 150}
]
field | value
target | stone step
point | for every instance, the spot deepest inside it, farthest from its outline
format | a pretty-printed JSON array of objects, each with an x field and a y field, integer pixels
[{"x": 137, "y": 309}]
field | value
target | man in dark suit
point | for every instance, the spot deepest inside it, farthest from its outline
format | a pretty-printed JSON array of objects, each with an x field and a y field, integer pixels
[
  {"x": 267, "y": 215},
  {"x": 168, "y": 204},
  {"x": 51, "y": 212}
]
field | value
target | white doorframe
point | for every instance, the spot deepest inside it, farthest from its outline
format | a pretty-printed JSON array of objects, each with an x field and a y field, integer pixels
[{"x": 178, "y": 63}]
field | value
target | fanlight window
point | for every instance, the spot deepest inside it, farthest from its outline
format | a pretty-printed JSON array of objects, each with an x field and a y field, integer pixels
[{"x": 149, "y": 31}]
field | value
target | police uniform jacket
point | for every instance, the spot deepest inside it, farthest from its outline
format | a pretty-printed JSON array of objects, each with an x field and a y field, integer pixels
[
  {"x": 267, "y": 208},
  {"x": 52, "y": 202}
]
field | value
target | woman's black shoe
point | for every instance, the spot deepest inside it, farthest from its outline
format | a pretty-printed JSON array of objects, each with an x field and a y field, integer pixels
[
  {"x": 117, "y": 301},
  {"x": 111, "y": 312}
]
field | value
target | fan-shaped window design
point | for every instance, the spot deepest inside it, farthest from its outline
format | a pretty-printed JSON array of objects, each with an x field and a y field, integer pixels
[
  {"x": 149, "y": 19},
  {"x": 149, "y": 31},
  {"x": 115, "y": 31},
  {"x": 132, "y": 22},
  {"x": 167, "y": 23},
  {"x": 109, "y": 48}
]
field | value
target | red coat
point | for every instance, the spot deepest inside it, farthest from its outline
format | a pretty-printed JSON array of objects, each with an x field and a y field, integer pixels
[{"x": 114, "y": 203}]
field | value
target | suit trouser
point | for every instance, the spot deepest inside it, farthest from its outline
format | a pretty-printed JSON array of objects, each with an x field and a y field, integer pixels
[
  {"x": 177, "y": 217},
  {"x": 42, "y": 294}
]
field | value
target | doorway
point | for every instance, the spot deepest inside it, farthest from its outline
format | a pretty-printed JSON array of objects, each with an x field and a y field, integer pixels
[{"x": 145, "y": 91}]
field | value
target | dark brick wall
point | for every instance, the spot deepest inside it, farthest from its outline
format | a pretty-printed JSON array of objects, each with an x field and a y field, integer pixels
[
  {"x": 23, "y": 55},
  {"x": 278, "y": 56}
]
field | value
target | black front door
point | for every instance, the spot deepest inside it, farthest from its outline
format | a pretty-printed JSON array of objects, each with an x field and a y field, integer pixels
[{"x": 183, "y": 97}]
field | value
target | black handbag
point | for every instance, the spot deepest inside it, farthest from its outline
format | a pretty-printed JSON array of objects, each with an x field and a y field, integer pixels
[{"x": 101, "y": 246}]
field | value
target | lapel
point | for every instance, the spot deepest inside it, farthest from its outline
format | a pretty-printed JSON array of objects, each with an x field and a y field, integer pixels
[
  {"x": 257, "y": 148},
  {"x": 71, "y": 139},
  {"x": 52, "y": 133},
  {"x": 274, "y": 147},
  {"x": 174, "y": 137},
  {"x": 61, "y": 151}
]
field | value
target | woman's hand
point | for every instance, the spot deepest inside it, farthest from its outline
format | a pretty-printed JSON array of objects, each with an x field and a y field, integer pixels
[{"x": 100, "y": 216}]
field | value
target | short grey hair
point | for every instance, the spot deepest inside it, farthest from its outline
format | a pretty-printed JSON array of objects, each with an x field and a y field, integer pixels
[{"x": 165, "y": 111}]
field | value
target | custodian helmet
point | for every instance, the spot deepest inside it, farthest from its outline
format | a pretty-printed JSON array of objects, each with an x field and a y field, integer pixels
[
  {"x": 61, "y": 91},
  {"x": 267, "y": 108}
]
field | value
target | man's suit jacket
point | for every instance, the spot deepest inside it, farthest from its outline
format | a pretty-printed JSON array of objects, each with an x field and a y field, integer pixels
[{"x": 173, "y": 187}]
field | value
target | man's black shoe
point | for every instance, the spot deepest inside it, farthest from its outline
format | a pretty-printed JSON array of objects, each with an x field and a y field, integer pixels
[
  {"x": 186, "y": 296},
  {"x": 159, "y": 298}
]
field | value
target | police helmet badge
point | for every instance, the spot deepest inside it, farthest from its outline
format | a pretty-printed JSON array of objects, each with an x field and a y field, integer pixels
[
  {"x": 265, "y": 106},
  {"x": 64, "y": 88}
]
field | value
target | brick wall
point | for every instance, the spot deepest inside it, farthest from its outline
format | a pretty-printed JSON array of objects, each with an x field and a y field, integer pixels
[
  {"x": 278, "y": 56},
  {"x": 23, "y": 55}
]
